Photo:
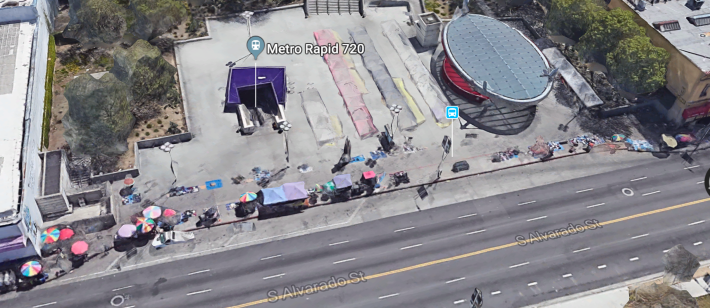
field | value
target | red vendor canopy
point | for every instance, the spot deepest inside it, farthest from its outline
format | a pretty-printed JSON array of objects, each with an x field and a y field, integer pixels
[{"x": 698, "y": 111}]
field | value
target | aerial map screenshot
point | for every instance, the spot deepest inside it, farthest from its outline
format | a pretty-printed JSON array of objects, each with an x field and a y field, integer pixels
[{"x": 355, "y": 153}]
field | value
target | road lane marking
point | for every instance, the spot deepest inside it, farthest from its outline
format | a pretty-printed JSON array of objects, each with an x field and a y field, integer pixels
[
  {"x": 591, "y": 206},
  {"x": 701, "y": 182},
  {"x": 534, "y": 283},
  {"x": 666, "y": 250},
  {"x": 338, "y": 243},
  {"x": 198, "y": 272},
  {"x": 267, "y": 258},
  {"x": 198, "y": 292},
  {"x": 459, "y": 302},
  {"x": 471, "y": 254},
  {"x": 529, "y": 202},
  {"x": 47, "y": 304},
  {"x": 130, "y": 306},
  {"x": 583, "y": 249},
  {"x": 537, "y": 218},
  {"x": 474, "y": 232},
  {"x": 455, "y": 280},
  {"x": 417, "y": 245},
  {"x": 697, "y": 222},
  {"x": 697, "y": 243},
  {"x": 405, "y": 229},
  {"x": 601, "y": 266},
  {"x": 274, "y": 276},
  {"x": 584, "y": 190},
  {"x": 386, "y": 296},
  {"x": 641, "y": 178},
  {"x": 566, "y": 275},
  {"x": 469, "y": 215},
  {"x": 639, "y": 236},
  {"x": 518, "y": 265},
  {"x": 691, "y": 167},
  {"x": 634, "y": 259},
  {"x": 343, "y": 261},
  {"x": 651, "y": 193},
  {"x": 123, "y": 288}
]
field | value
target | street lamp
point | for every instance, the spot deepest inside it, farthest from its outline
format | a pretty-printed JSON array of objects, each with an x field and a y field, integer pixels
[
  {"x": 396, "y": 109},
  {"x": 247, "y": 15},
  {"x": 285, "y": 126}
]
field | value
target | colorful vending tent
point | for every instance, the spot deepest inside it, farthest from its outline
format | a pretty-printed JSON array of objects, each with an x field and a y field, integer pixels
[
  {"x": 295, "y": 191},
  {"x": 274, "y": 195},
  {"x": 269, "y": 82},
  {"x": 342, "y": 181}
]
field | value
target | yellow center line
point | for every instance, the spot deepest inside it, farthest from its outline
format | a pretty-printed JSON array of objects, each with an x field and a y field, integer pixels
[{"x": 462, "y": 256}]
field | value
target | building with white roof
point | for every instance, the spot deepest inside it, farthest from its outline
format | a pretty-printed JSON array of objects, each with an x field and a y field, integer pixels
[
  {"x": 682, "y": 27},
  {"x": 25, "y": 26}
]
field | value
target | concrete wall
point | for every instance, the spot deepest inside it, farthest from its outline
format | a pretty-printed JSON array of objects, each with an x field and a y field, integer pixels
[
  {"x": 91, "y": 196},
  {"x": 114, "y": 176},
  {"x": 682, "y": 76},
  {"x": 31, "y": 163},
  {"x": 156, "y": 142}
]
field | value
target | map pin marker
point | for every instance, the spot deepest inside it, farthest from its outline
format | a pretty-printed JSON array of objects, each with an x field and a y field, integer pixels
[{"x": 255, "y": 45}]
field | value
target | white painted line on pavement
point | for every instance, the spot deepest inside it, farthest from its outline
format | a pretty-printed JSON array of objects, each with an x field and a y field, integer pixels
[
  {"x": 701, "y": 182},
  {"x": 698, "y": 243},
  {"x": 691, "y": 167},
  {"x": 584, "y": 190},
  {"x": 591, "y": 206},
  {"x": 469, "y": 215},
  {"x": 455, "y": 280},
  {"x": 474, "y": 232},
  {"x": 459, "y": 302},
  {"x": 695, "y": 223},
  {"x": 114, "y": 290},
  {"x": 338, "y": 243},
  {"x": 274, "y": 276},
  {"x": 651, "y": 193},
  {"x": 583, "y": 249},
  {"x": 534, "y": 283},
  {"x": 266, "y": 258},
  {"x": 417, "y": 245},
  {"x": 130, "y": 306},
  {"x": 601, "y": 266},
  {"x": 639, "y": 236},
  {"x": 405, "y": 229},
  {"x": 634, "y": 259},
  {"x": 566, "y": 275},
  {"x": 343, "y": 261},
  {"x": 199, "y": 292},
  {"x": 537, "y": 218},
  {"x": 518, "y": 265},
  {"x": 529, "y": 202},
  {"x": 198, "y": 272},
  {"x": 495, "y": 292},
  {"x": 641, "y": 178},
  {"x": 666, "y": 250},
  {"x": 386, "y": 296},
  {"x": 47, "y": 304}
]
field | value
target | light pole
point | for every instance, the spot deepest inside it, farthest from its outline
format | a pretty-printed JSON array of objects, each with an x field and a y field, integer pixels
[
  {"x": 247, "y": 15},
  {"x": 285, "y": 127},
  {"x": 396, "y": 109}
]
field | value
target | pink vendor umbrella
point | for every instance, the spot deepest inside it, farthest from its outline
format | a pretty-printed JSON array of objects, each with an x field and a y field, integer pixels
[{"x": 79, "y": 248}]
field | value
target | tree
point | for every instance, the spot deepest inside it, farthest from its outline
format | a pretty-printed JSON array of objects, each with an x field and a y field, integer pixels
[
  {"x": 608, "y": 29},
  {"x": 95, "y": 21},
  {"x": 155, "y": 17},
  {"x": 572, "y": 18},
  {"x": 637, "y": 65}
]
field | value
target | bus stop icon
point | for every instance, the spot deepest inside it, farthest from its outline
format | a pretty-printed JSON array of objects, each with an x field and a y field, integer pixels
[{"x": 452, "y": 112}]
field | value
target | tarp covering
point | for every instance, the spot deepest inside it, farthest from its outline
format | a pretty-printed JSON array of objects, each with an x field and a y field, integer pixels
[
  {"x": 352, "y": 97},
  {"x": 410, "y": 100},
  {"x": 373, "y": 62},
  {"x": 295, "y": 191},
  {"x": 274, "y": 195},
  {"x": 342, "y": 181},
  {"x": 351, "y": 67},
  {"x": 323, "y": 125},
  {"x": 420, "y": 75}
]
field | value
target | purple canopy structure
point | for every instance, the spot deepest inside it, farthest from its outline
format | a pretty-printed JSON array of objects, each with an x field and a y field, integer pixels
[
  {"x": 295, "y": 191},
  {"x": 269, "y": 83},
  {"x": 342, "y": 181}
]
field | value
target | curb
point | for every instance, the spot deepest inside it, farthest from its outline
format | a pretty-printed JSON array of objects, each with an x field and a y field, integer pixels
[{"x": 616, "y": 286}]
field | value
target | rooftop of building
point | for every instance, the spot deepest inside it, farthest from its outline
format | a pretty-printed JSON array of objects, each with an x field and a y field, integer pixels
[
  {"x": 15, "y": 54},
  {"x": 13, "y": 3},
  {"x": 692, "y": 41}
]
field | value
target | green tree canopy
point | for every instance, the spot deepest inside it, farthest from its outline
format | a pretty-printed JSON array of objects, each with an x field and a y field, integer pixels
[
  {"x": 608, "y": 29},
  {"x": 572, "y": 18},
  {"x": 637, "y": 65}
]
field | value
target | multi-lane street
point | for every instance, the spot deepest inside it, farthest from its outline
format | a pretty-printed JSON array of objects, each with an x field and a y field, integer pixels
[{"x": 436, "y": 257}]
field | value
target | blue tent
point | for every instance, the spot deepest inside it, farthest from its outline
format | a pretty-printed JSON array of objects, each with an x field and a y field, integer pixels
[{"x": 274, "y": 195}]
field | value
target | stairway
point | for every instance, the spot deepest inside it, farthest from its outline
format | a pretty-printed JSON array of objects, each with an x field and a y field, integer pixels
[{"x": 318, "y": 7}]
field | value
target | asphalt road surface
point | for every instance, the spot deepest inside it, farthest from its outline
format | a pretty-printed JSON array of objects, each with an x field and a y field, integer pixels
[{"x": 435, "y": 258}]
